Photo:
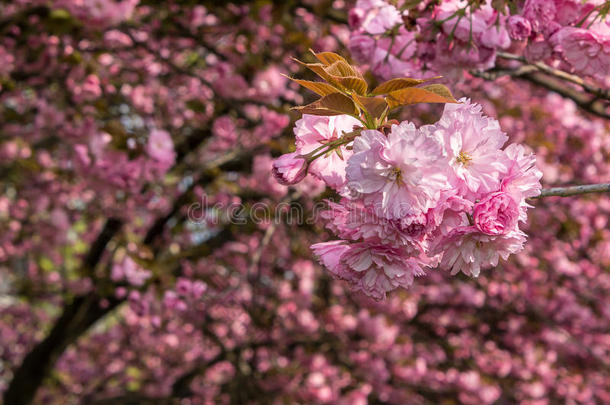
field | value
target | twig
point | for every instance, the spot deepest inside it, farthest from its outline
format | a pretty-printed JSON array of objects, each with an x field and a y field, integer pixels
[
  {"x": 574, "y": 190},
  {"x": 589, "y": 103},
  {"x": 560, "y": 74}
]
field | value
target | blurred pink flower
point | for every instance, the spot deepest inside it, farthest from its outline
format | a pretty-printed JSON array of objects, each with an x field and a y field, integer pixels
[
  {"x": 160, "y": 147},
  {"x": 519, "y": 28},
  {"x": 586, "y": 50}
]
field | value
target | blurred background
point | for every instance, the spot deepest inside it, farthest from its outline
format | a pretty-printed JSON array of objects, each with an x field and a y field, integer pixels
[{"x": 145, "y": 255}]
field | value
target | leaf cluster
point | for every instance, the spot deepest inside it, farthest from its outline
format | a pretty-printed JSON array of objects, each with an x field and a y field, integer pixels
[{"x": 345, "y": 91}]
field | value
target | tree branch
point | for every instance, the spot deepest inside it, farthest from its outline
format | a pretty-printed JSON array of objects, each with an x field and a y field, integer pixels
[
  {"x": 550, "y": 78},
  {"x": 84, "y": 310},
  {"x": 592, "y": 104},
  {"x": 560, "y": 74},
  {"x": 574, "y": 190},
  {"x": 76, "y": 318}
]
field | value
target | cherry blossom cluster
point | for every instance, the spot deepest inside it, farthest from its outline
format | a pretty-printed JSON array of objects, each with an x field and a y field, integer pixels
[
  {"x": 118, "y": 111},
  {"x": 575, "y": 34},
  {"x": 429, "y": 38},
  {"x": 412, "y": 198}
]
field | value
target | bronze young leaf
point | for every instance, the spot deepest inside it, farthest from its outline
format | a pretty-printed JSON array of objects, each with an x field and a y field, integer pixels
[{"x": 332, "y": 104}]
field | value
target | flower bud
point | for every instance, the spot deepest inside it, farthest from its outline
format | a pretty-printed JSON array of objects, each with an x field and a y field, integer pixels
[{"x": 289, "y": 169}]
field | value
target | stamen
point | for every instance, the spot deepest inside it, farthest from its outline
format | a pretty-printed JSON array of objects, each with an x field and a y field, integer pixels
[
  {"x": 463, "y": 158},
  {"x": 396, "y": 175}
]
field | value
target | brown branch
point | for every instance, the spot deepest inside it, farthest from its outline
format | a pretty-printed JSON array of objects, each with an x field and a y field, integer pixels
[
  {"x": 87, "y": 309},
  {"x": 111, "y": 228},
  {"x": 574, "y": 190},
  {"x": 76, "y": 318},
  {"x": 135, "y": 399},
  {"x": 591, "y": 104},
  {"x": 560, "y": 74},
  {"x": 40, "y": 11},
  {"x": 256, "y": 257}
]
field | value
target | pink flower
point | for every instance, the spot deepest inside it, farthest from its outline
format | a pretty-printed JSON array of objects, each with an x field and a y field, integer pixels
[
  {"x": 537, "y": 50},
  {"x": 313, "y": 131},
  {"x": 496, "y": 214},
  {"x": 361, "y": 47},
  {"x": 355, "y": 17},
  {"x": 586, "y": 50},
  {"x": 225, "y": 129},
  {"x": 449, "y": 212},
  {"x": 472, "y": 145},
  {"x": 453, "y": 59},
  {"x": 81, "y": 154},
  {"x": 269, "y": 83},
  {"x": 467, "y": 250},
  {"x": 522, "y": 179},
  {"x": 371, "y": 268},
  {"x": 479, "y": 26},
  {"x": 355, "y": 221},
  {"x": 330, "y": 253},
  {"x": 519, "y": 28},
  {"x": 100, "y": 13},
  {"x": 399, "y": 175},
  {"x": 261, "y": 181},
  {"x": 91, "y": 87},
  {"x": 387, "y": 66},
  {"x": 130, "y": 271},
  {"x": 540, "y": 13},
  {"x": 472, "y": 26},
  {"x": 261, "y": 165},
  {"x": 402, "y": 45},
  {"x": 289, "y": 169},
  {"x": 6, "y": 61},
  {"x": 495, "y": 37},
  {"x": 160, "y": 147},
  {"x": 570, "y": 12},
  {"x": 381, "y": 18}
]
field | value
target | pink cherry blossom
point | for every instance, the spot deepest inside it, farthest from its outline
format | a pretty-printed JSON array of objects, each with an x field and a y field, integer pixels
[
  {"x": 471, "y": 144},
  {"x": 352, "y": 220},
  {"x": 160, "y": 147},
  {"x": 289, "y": 169},
  {"x": 370, "y": 268},
  {"x": 537, "y": 50},
  {"x": 463, "y": 28},
  {"x": 381, "y": 16},
  {"x": 496, "y": 214},
  {"x": 399, "y": 174},
  {"x": 465, "y": 249},
  {"x": 312, "y": 132},
  {"x": 162, "y": 307},
  {"x": 519, "y": 28},
  {"x": 540, "y": 13},
  {"x": 522, "y": 179},
  {"x": 586, "y": 50},
  {"x": 130, "y": 271},
  {"x": 361, "y": 47}
]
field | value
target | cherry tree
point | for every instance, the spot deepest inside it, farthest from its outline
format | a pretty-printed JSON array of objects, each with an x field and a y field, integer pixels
[{"x": 304, "y": 202}]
